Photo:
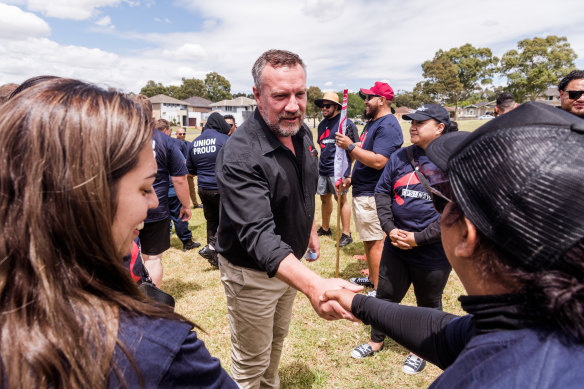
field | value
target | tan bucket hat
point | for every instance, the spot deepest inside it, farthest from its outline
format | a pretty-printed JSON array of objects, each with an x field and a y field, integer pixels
[{"x": 330, "y": 96}]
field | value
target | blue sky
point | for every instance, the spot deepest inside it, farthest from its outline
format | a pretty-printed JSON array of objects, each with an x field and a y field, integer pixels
[{"x": 345, "y": 44}]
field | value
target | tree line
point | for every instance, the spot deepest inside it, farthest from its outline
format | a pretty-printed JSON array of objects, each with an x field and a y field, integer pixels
[{"x": 458, "y": 76}]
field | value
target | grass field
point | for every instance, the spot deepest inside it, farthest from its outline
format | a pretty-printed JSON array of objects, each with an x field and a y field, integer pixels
[{"x": 316, "y": 352}]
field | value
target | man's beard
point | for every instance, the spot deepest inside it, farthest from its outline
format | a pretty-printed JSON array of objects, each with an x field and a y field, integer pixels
[
  {"x": 332, "y": 114},
  {"x": 373, "y": 109},
  {"x": 281, "y": 131}
]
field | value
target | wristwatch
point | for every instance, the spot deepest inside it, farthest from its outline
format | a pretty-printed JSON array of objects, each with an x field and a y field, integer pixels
[{"x": 351, "y": 147}]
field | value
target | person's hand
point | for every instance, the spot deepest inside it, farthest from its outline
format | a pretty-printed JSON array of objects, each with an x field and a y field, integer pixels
[
  {"x": 314, "y": 243},
  {"x": 406, "y": 238},
  {"x": 185, "y": 213},
  {"x": 343, "y": 296},
  {"x": 345, "y": 183},
  {"x": 398, "y": 237},
  {"x": 342, "y": 140},
  {"x": 331, "y": 309}
]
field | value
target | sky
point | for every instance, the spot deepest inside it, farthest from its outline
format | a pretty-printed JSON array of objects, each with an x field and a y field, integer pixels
[{"x": 344, "y": 44}]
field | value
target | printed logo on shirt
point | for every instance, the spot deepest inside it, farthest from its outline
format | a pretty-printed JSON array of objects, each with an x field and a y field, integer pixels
[
  {"x": 415, "y": 194},
  {"x": 322, "y": 141},
  {"x": 204, "y": 146},
  {"x": 408, "y": 179}
]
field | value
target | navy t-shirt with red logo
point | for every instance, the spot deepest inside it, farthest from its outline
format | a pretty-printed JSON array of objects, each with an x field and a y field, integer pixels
[
  {"x": 382, "y": 136},
  {"x": 411, "y": 206},
  {"x": 326, "y": 141}
]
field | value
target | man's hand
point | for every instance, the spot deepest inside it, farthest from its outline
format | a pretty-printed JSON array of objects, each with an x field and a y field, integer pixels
[
  {"x": 343, "y": 296},
  {"x": 406, "y": 238},
  {"x": 332, "y": 309},
  {"x": 342, "y": 140},
  {"x": 314, "y": 242},
  {"x": 345, "y": 184},
  {"x": 185, "y": 214}
]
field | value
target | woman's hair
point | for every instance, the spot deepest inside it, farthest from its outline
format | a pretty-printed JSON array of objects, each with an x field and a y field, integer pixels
[
  {"x": 556, "y": 295},
  {"x": 64, "y": 146}
]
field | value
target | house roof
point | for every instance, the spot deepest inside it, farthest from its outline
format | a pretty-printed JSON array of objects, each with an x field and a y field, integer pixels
[
  {"x": 238, "y": 102},
  {"x": 164, "y": 99},
  {"x": 197, "y": 101},
  {"x": 404, "y": 110},
  {"x": 551, "y": 91},
  {"x": 481, "y": 104}
]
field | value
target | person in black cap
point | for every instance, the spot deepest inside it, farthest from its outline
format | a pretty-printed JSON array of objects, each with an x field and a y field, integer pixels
[
  {"x": 412, "y": 251},
  {"x": 512, "y": 228}
]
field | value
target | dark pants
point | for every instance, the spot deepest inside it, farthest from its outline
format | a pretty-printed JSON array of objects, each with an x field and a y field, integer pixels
[
  {"x": 210, "y": 200},
  {"x": 395, "y": 278},
  {"x": 180, "y": 227}
]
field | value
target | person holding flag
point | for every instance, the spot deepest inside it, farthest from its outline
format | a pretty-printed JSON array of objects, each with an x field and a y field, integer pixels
[{"x": 327, "y": 128}]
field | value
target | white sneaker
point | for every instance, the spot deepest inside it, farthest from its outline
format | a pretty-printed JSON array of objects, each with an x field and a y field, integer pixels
[{"x": 413, "y": 364}]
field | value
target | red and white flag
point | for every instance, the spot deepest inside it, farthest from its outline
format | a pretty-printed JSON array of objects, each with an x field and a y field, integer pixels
[{"x": 341, "y": 162}]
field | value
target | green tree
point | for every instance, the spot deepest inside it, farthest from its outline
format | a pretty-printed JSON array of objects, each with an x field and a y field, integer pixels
[
  {"x": 191, "y": 87},
  {"x": 152, "y": 89},
  {"x": 412, "y": 99},
  {"x": 312, "y": 111},
  {"x": 242, "y": 94},
  {"x": 456, "y": 74},
  {"x": 217, "y": 87},
  {"x": 355, "y": 105},
  {"x": 536, "y": 64}
]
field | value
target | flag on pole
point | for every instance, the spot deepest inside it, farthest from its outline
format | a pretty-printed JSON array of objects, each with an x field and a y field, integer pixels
[{"x": 341, "y": 162}]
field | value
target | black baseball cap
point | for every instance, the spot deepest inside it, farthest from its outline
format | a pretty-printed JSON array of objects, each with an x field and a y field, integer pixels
[
  {"x": 429, "y": 111},
  {"x": 520, "y": 180}
]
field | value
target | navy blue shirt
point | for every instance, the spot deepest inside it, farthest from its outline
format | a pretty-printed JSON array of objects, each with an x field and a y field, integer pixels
[
  {"x": 382, "y": 136},
  {"x": 168, "y": 354},
  {"x": 183, "y": 146},
  {"x": 170, "y": 162},
  {"x": 326, "y": 140},
  {"x": 411, "y": 206},
  {"x": 201, "y": 157}
]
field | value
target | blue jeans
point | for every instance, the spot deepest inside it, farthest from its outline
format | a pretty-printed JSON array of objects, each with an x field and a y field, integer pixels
[{"x": 181, "y": 227}]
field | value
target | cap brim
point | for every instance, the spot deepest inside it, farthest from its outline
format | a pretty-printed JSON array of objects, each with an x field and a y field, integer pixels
[
  {"x": 416, "y": 116},
  {"x": 441, "y": 149}
]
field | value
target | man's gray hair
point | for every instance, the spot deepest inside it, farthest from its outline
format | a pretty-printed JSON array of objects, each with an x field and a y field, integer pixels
[{"x": 276, "y": 59}]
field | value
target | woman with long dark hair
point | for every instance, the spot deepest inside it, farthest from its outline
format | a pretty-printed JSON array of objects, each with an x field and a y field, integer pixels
[
  {"x": 513, "y": 231},
  {"x": 76, "y": 174}
]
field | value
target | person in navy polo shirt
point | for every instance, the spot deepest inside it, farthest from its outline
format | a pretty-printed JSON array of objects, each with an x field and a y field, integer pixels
[
  {"x": 201, "y": 156},
  {"x": 379, "y": 139},
  {"x": 331, "y": 109},
  {"x": 412, "y": 251}
]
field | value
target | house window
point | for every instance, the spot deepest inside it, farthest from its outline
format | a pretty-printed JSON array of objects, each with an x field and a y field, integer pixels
[{"x": 550, "y": 98}]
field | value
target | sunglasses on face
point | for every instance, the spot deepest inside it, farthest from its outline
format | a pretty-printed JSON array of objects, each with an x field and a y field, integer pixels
[
  {"x": 575, "y": 94},
  {"x": 436, "y": 184},
  {"x": 371, "y": 97},
  {"x": 327, "y": 106},
  {"x": 180, "y": 134}
]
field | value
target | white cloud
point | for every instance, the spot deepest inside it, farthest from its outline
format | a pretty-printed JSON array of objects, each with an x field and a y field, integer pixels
[
  {"x": 17, "y": 24},
  {"x": 365, "y": 41},
  {"x": 106, "y": 22},
  {"x": 69, "y": 9}
]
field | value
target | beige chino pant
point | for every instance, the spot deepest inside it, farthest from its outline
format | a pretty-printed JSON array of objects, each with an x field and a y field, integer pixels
[{"x": 259, "y": 309}]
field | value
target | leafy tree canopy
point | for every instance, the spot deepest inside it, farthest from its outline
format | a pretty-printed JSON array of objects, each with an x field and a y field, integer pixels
[
  {"x": 537, "y": 64},
  {"x": 217, "y": 87}
]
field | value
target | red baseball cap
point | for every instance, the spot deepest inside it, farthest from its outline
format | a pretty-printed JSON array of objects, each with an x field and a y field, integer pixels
[{"x": 379, "y": 89}]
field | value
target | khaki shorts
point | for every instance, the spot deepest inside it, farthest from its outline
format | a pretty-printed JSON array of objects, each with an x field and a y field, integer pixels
[{"x": 366, "y": 219}]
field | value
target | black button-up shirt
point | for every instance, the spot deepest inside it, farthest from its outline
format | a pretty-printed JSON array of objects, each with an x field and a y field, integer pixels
[{"x": 267, "y": 196}]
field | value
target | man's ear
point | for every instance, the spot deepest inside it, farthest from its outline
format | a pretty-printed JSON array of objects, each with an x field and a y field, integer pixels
[
  {"x": 256, "y": 93},
  {"x": 469, "y": 240}
]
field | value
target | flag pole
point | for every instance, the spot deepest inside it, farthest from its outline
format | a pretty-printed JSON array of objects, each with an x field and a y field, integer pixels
[
  {"x": 341, "y": 165},
  {"x": 338, "y": 228}
]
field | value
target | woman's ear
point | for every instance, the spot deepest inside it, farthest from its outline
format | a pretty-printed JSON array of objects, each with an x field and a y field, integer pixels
[
  {"x": 468, "y": 242},
  {"x": 440, "y": 128}
]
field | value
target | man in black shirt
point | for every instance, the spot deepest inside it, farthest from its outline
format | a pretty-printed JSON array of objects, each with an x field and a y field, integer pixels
[{"x": 267, "y": 176}]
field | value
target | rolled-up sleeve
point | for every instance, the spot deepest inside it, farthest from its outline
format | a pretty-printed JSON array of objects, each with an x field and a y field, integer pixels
[{"x": 245, "y": 197}]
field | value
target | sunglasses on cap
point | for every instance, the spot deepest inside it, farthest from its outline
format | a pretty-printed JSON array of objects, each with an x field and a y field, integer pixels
[
  {"x": 575, "y": 94},
  {"x": 437, "y": 185}
]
